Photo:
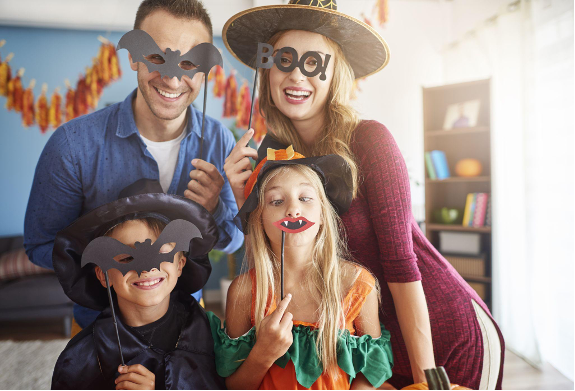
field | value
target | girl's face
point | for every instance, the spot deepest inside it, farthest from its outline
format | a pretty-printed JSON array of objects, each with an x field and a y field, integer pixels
[
  {"x": 297, "y": 96},
  {"x": 153, "y": 286},
  {"x": 291, "y": 195}
]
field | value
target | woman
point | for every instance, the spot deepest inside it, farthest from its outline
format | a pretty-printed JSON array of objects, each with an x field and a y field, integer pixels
[{"x": 433, "y": 315}]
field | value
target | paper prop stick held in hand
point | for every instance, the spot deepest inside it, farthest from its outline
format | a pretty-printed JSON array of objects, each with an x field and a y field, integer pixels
[
  {"x": 201, "y": 58},
  {"x": 108, "y": 253},
  {"x": 290, "y": 225}
]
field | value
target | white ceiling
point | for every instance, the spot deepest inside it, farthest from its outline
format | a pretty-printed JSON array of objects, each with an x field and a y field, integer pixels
[{"x": 114, "y": 15}]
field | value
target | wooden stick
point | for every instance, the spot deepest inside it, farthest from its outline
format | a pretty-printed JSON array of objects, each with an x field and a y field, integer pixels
[
  {"x": 204, "y": 114},
  {"x": 253, "y": 99},
  {"x": 282, "y": 264},
  {"x": 114, "y": 317}
]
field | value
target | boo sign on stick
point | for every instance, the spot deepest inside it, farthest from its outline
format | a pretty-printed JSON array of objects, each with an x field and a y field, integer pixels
[{"x": 310, "y": 64}]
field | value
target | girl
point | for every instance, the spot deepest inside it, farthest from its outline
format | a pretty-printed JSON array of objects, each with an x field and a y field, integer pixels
[
  {"x": 433, "y": 315},
  {"x": 325, "y": 334}
]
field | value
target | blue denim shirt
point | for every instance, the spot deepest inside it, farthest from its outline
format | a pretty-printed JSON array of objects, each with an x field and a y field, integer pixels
[{"x": 89, "y": 160}]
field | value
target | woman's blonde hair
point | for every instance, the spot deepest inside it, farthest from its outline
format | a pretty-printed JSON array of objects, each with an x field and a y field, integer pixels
[
  {"x": 341, "y": 118},
  {"x": 324, "y": 280}
]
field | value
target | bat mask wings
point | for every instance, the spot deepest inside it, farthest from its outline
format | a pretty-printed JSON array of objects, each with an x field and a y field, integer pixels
[
  {"x": 103, "y": 251},
  {"x": 143, "y": 48}
]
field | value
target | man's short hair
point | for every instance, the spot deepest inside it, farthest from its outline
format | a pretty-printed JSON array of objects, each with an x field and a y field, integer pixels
[{"x": 187, "y": 9}]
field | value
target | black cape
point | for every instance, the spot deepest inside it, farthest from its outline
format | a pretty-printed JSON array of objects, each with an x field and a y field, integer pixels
[{"x": 91, "y": 358}]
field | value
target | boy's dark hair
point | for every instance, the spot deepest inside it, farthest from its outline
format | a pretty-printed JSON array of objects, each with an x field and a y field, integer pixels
[{"x": 187, "y": 9}]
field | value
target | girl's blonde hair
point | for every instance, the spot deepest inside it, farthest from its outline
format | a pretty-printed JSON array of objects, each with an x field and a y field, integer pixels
[
  {"x": 325, "y": 277},
  {"x": 341, "y": 118}
]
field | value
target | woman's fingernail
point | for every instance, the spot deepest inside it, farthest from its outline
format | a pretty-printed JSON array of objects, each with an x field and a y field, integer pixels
[{"x": 194, "y": 161}]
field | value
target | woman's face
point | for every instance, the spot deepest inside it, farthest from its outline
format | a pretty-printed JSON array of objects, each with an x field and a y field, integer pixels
[
  {"x": 297, "y": 96},
  {"x": 292, "y": 196}
]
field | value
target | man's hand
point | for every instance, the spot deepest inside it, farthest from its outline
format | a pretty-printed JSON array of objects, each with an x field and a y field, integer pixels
[
  {"x": 206, "y": 185},
  {"x": 135, "y": 377}
]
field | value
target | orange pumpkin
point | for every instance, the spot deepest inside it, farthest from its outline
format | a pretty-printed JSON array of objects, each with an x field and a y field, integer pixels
[
  {"x": 468, "y": 168},
  {"x": 423, "y": 386}
]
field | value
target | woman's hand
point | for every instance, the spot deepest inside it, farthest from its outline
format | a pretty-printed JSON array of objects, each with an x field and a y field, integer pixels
[
  {"x": 238, "y": 167},
  {"x": 135, "y": 377},
  {"x": 275, "y": 337}
]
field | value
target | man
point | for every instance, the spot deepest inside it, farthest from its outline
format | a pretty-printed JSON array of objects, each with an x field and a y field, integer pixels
[{"x": 155, "y": 133}]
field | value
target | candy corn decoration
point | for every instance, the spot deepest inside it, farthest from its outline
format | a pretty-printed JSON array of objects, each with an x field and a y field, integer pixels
[
  {"x": 14, "y": 92},
  {"x": 258, "y": 123},
  {"x": 70, "y": 98},
  {"x": 28, "y": 105},
  {"x": 231, "y": 97},
  {"x": 244, "y": 106},
  {"x": 42, "y": 110},
  {"x": 81, "y": 100},
  {"x": 219, "y": 81},
  {"x": 55, "y": 111}
]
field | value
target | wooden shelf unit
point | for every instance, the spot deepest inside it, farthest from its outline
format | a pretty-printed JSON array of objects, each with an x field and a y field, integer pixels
[{"x": 461, "y": 143}]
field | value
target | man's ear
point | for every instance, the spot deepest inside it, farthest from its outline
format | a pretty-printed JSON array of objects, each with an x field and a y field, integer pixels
[
  {"x": 133, "y": 65},
  {"x": 181, "y": 263},
  {"x": 100, "y": 275}
]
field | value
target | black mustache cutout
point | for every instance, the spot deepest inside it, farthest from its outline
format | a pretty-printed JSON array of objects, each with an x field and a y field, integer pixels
[
  {"x": 140, "y": 45},
  {"x": 102, "y": 250},
  {"x": 296, "y": 61}
]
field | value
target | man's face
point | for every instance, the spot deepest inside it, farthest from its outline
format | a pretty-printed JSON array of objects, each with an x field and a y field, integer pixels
[{"x": 168, "y": 98}]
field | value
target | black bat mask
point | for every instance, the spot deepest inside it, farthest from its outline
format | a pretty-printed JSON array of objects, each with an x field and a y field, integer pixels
[
  {"x": 143, "y": 48},
  {"x": 146, "y": 256}
]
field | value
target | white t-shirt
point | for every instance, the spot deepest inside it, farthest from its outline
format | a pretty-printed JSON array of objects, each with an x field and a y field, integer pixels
[{"x": 166, "y": 155}]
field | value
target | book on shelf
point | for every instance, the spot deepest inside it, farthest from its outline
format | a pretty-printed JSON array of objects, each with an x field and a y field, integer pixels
[
  {"x": 440, "y": 164},
  {"x": 429, "y": 165},
  {"x": 477, "y": 211}
]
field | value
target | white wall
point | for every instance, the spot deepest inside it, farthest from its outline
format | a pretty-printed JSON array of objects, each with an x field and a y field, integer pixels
[{"x": 416, "y": 32}]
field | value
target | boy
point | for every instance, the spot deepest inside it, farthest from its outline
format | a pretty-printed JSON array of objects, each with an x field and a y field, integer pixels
[{"x": 138, "y": 245}]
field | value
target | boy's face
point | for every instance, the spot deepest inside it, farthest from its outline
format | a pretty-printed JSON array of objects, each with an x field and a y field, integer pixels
[
  {"x": 291, "y": 195},
  {"x": 152, "y": 287},
  {"x": 168, "y": 98}
]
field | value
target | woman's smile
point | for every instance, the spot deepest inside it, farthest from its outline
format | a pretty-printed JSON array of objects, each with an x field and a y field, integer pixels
[{"x": 297, "y": 95}]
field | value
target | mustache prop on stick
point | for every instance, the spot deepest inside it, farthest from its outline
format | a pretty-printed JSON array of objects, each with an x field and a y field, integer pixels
[
  {"x": 290, "y": 225},
  {"x": 201, "y": 58}
]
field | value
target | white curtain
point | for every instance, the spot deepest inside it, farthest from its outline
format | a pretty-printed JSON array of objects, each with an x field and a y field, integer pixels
[{"x": 527, "y": 51}]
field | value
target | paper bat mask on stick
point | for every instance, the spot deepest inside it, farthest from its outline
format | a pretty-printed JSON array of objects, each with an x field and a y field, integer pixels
[
  {"x": 293, "y": 225},
  {"x": 143, "y": 48},
  {"x": 310, "y": 64},
  {"x": 146, "y": 256}
]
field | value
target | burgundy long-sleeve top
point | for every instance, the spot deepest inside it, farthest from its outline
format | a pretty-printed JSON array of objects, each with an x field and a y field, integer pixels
[{"x": 384, "y": 236}]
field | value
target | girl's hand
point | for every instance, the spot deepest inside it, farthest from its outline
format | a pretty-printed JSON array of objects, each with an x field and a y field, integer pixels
[
  {"x": 238, "y": 167},
  {"x": 275, "y": 334},
  {"x": 135, "y": 377}
]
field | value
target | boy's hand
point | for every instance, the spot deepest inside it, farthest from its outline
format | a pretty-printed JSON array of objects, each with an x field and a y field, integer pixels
[
  {"x": 275, "y": 335},
  {"x": 135, "y": 377}
]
